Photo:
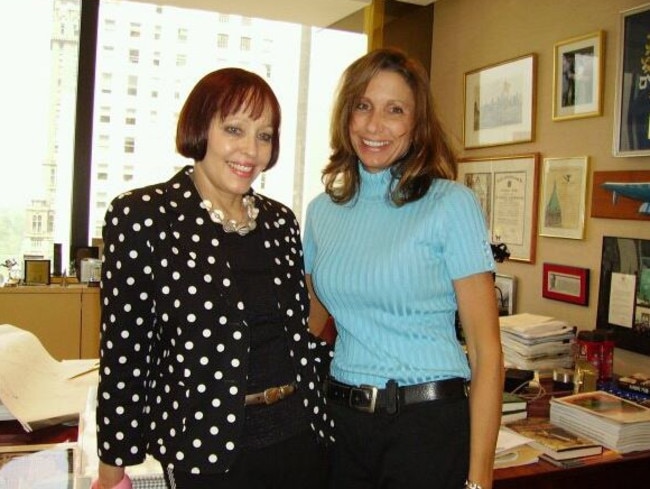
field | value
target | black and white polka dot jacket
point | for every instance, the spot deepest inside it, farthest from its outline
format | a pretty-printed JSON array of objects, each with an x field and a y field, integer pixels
[{"x": 174, "y": 341}]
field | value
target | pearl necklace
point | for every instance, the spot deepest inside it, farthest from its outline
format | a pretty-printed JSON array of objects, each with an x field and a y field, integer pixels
[{"x": 231, "y": 225}]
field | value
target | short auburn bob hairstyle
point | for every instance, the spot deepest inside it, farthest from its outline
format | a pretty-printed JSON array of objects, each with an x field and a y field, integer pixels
[{"x": 220, "y": 94}]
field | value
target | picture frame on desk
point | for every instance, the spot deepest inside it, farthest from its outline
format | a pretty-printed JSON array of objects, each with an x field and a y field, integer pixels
[
  {"x": 505, "y": 287},
  {"x": 37, "y": 272},
  {"x": 565, "y": 283}
]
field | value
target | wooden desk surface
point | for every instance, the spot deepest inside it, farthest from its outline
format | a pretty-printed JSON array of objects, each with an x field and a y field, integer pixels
[{"x": 628, "y": 471}]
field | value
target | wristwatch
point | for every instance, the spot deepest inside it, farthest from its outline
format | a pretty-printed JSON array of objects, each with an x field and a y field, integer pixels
[{"x": 472, "y": 485}]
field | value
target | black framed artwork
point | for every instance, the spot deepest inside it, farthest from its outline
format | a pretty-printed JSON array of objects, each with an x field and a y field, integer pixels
[{"x": 624, "y": 292}]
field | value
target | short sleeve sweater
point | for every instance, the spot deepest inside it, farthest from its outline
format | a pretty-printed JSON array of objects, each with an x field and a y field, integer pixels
[{"x": 386, "y": 274}]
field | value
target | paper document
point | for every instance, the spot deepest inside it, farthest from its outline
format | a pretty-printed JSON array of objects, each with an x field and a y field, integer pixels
[{"x": 37, "y": 389}]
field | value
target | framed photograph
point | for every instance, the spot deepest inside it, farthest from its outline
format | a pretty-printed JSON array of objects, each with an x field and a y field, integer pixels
[
  {"x": 621, "y": 194},
  {"x": 565, "y": 283},
  {"x": 632, "y": 100},
  {"x": 37, "y": 272},
  {"x": 564, "y": 197},
  {"x": 505, "y": 287},
  {"x": 500, "y": 103},
  {"x": 624, "y": 292},
  {"x": 578, "y": 77},
  {"x": 506, "y": 188}
]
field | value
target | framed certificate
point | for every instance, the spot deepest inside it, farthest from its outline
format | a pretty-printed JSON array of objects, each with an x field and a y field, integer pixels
[{"x": 506, "y": 188}]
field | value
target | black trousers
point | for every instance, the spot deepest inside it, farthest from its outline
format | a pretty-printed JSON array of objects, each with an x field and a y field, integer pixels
[
  {"x": 425, "y": 445},
  {"x": 297, "y": 463}
]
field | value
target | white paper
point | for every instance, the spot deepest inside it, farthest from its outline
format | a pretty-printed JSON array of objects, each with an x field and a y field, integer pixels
[
  {"x": 35, "y": 387},
  {"x": 621, "y": 299},
  {"x": 509, "y": 439}
]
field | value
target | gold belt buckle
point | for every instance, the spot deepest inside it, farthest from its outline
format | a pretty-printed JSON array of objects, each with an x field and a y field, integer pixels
[{"x": 275, "y": 394}]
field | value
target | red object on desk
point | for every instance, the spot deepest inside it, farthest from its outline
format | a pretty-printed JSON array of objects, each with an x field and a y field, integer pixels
[{"x": 12, "y": 433}]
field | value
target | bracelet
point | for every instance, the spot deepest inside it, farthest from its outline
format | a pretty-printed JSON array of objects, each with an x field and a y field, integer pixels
[
  {"x": 472, "y": 485},
  {"x": 125, "y": 483}
]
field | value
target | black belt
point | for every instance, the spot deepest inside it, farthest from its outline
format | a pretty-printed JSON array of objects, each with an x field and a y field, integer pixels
[{"x": 370, "y": 399}]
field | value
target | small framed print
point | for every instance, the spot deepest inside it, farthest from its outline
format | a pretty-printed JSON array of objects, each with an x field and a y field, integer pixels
[
  {"x": 500, "y": 103},
  {"x": 37, "y": 272},
  {"x": 577, "y": 77},
  {"x": 563, "y": 197},
  {"x": 566, "y": 283}
]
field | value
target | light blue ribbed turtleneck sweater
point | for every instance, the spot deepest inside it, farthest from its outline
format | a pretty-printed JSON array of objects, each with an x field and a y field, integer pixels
[{"x": 385, "y": 273}]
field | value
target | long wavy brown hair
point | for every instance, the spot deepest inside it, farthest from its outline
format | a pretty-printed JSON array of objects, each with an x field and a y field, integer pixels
[{"x": 430, "y": 155}]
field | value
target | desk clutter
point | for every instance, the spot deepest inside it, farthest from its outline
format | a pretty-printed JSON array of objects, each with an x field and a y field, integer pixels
[
  {"x": 47, "y": 419},
  {"x": 534, "y": 342}
]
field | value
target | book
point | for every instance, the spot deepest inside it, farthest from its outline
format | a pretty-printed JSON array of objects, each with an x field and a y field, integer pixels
[
  {"x": 513, "y": 402},
  {"x": 513, "y": 408},
  {"x": 614, "y": 422},
  {"x": 553, "y": 440},
  {"x": 513, "y": 416},
  {"x": 571, "y": 463}
]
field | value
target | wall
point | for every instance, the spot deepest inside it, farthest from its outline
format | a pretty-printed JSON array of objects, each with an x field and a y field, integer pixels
[{"x": 469, "y": 34}]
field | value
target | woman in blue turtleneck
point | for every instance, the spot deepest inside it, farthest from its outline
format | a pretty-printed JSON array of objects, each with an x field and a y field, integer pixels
[{"x": 393, "y": 248}]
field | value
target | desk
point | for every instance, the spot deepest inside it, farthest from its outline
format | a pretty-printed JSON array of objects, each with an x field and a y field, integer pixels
[
  {"x": 630, "y": 471},
  {"x": 65, "y": 319}
]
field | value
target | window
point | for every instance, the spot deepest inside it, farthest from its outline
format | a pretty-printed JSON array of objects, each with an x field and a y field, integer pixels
[
  {"x": 132, "y": 86},
  {"x": 222, "y": 41},
  {"x": 134, "y": 55},
  {"x": 129, "y": 145},
  {"x": 139, "y": 89},
  {"x": 129, "y": 120},
  {"x": 35, "y": 202},
  {"x": 245, "y": 44},
  {"x": 134, "y": 30}
]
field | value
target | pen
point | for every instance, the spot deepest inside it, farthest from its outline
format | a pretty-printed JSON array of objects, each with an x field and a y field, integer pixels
[{"x": 84, "y": 372}]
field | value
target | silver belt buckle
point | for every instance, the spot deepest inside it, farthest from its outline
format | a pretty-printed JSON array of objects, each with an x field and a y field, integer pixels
[{"x": 373, "y": 398}]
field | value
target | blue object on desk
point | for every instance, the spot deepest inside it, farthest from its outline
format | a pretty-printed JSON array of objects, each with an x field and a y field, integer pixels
[{"x": 612, "y": 387}]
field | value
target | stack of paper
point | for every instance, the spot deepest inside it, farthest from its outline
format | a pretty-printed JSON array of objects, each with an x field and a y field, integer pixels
[
  {"x": 533, "y": 342},
  {"x": 615, "y": 423}
]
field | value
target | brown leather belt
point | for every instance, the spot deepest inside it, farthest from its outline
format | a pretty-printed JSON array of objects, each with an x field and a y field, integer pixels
[
  {"x": 270, "y": 395},
  {"x": 370, "y": 399}
]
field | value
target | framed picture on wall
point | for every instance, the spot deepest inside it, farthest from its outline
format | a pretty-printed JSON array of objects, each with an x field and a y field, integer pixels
[
  {"x": 624, "y": 292},
  {"x": 563, "y": 197},
  {"x": 578, "y": 76},
  {"x": 632, "y": 105},
  {"x": 565, "y": 283},
  {"x": 506, "y": 188},
  {"x": 500, "y": 103}
]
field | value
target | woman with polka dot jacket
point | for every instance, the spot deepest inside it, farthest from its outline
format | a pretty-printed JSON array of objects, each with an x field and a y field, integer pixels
[{"x": 206, "y": 362}]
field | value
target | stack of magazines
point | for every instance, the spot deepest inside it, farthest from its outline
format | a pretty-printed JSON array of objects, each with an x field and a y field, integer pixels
[
  {"x": 615, "y": 423},
  {"x": 533, "y": 342}
]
